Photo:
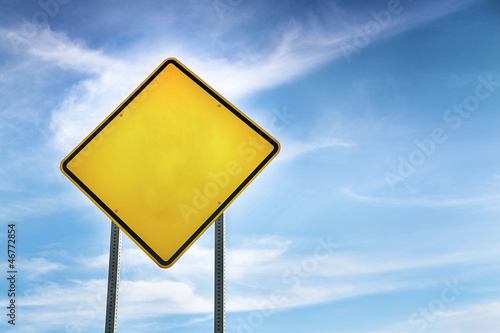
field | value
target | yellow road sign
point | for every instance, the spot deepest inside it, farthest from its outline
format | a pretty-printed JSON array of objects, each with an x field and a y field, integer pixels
[{"x": 169, "y": 160}]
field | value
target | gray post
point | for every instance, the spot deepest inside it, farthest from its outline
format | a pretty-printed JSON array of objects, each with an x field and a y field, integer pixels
[
  {"x": 219, "y": 292},
  {"x": 113, "y": 279}
]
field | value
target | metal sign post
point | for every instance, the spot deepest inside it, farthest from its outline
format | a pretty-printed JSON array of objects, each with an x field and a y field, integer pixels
[
  {"x": 113, "y": 279},
  {"x": 219, "y": 277},
  {"x": 173, "y": 131},
  {"x": 220, "y": 291}
]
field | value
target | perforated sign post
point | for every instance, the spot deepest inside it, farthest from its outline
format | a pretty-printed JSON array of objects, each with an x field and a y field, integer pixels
[{"x": 169, "y": 160}]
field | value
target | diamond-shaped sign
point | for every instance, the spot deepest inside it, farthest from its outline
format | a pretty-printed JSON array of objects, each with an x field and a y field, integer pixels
[{"x": 169, "y": 160}]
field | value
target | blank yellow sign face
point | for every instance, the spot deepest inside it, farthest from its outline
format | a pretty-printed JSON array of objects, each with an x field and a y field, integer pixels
[{"x": 169, "y": 160}]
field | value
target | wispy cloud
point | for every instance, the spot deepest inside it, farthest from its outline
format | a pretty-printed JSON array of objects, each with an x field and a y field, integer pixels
[
  {"x": 479, "y": 317},
  {"x": 421, "y": 14},
  {"x": 50, "y": 307},
  {"x": 292, "y": 150},
  {"x": 143, "y": 299},
  {"x": 355, "y": 265},
  {"x": 110, "y": 78},
  {"x": 257, "y": 268},
  {"x": 421, "y": 201},
  {"x": 19, "y": 208},
  {"x": 34, "y": 268}
]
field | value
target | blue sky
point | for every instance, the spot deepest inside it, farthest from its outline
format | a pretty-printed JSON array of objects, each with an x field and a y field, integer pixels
[{"x": 380, "y": 214}]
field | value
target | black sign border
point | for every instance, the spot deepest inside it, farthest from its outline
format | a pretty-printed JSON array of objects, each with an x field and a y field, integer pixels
[{"x": 162, "y": 262}]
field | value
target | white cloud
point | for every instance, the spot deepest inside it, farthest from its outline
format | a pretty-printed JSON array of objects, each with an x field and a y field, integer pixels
[
  {"x": 143, "y": 299},
  {"x": 478, "y": 317},
  {"x": 421, "y": 201},
  {"x": 262, "y": 274},
  {"x": 109, "y": 80},
  {"x": 291, "y": 150},
  {"x": 33, "y": 268},
  {"x": 482, "y": 317},
  {"x": 255, "y": 256},
  {"x": 295, "y": 52},
  {"x": 51, "y": 307},
  {"x": 381, "y": 263},
  {"x": 14, "y": 209},
  {"x": 306, "y": 294},
  {"x": 58, "y": 49},
  {"x": 413, "y": 17}
]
